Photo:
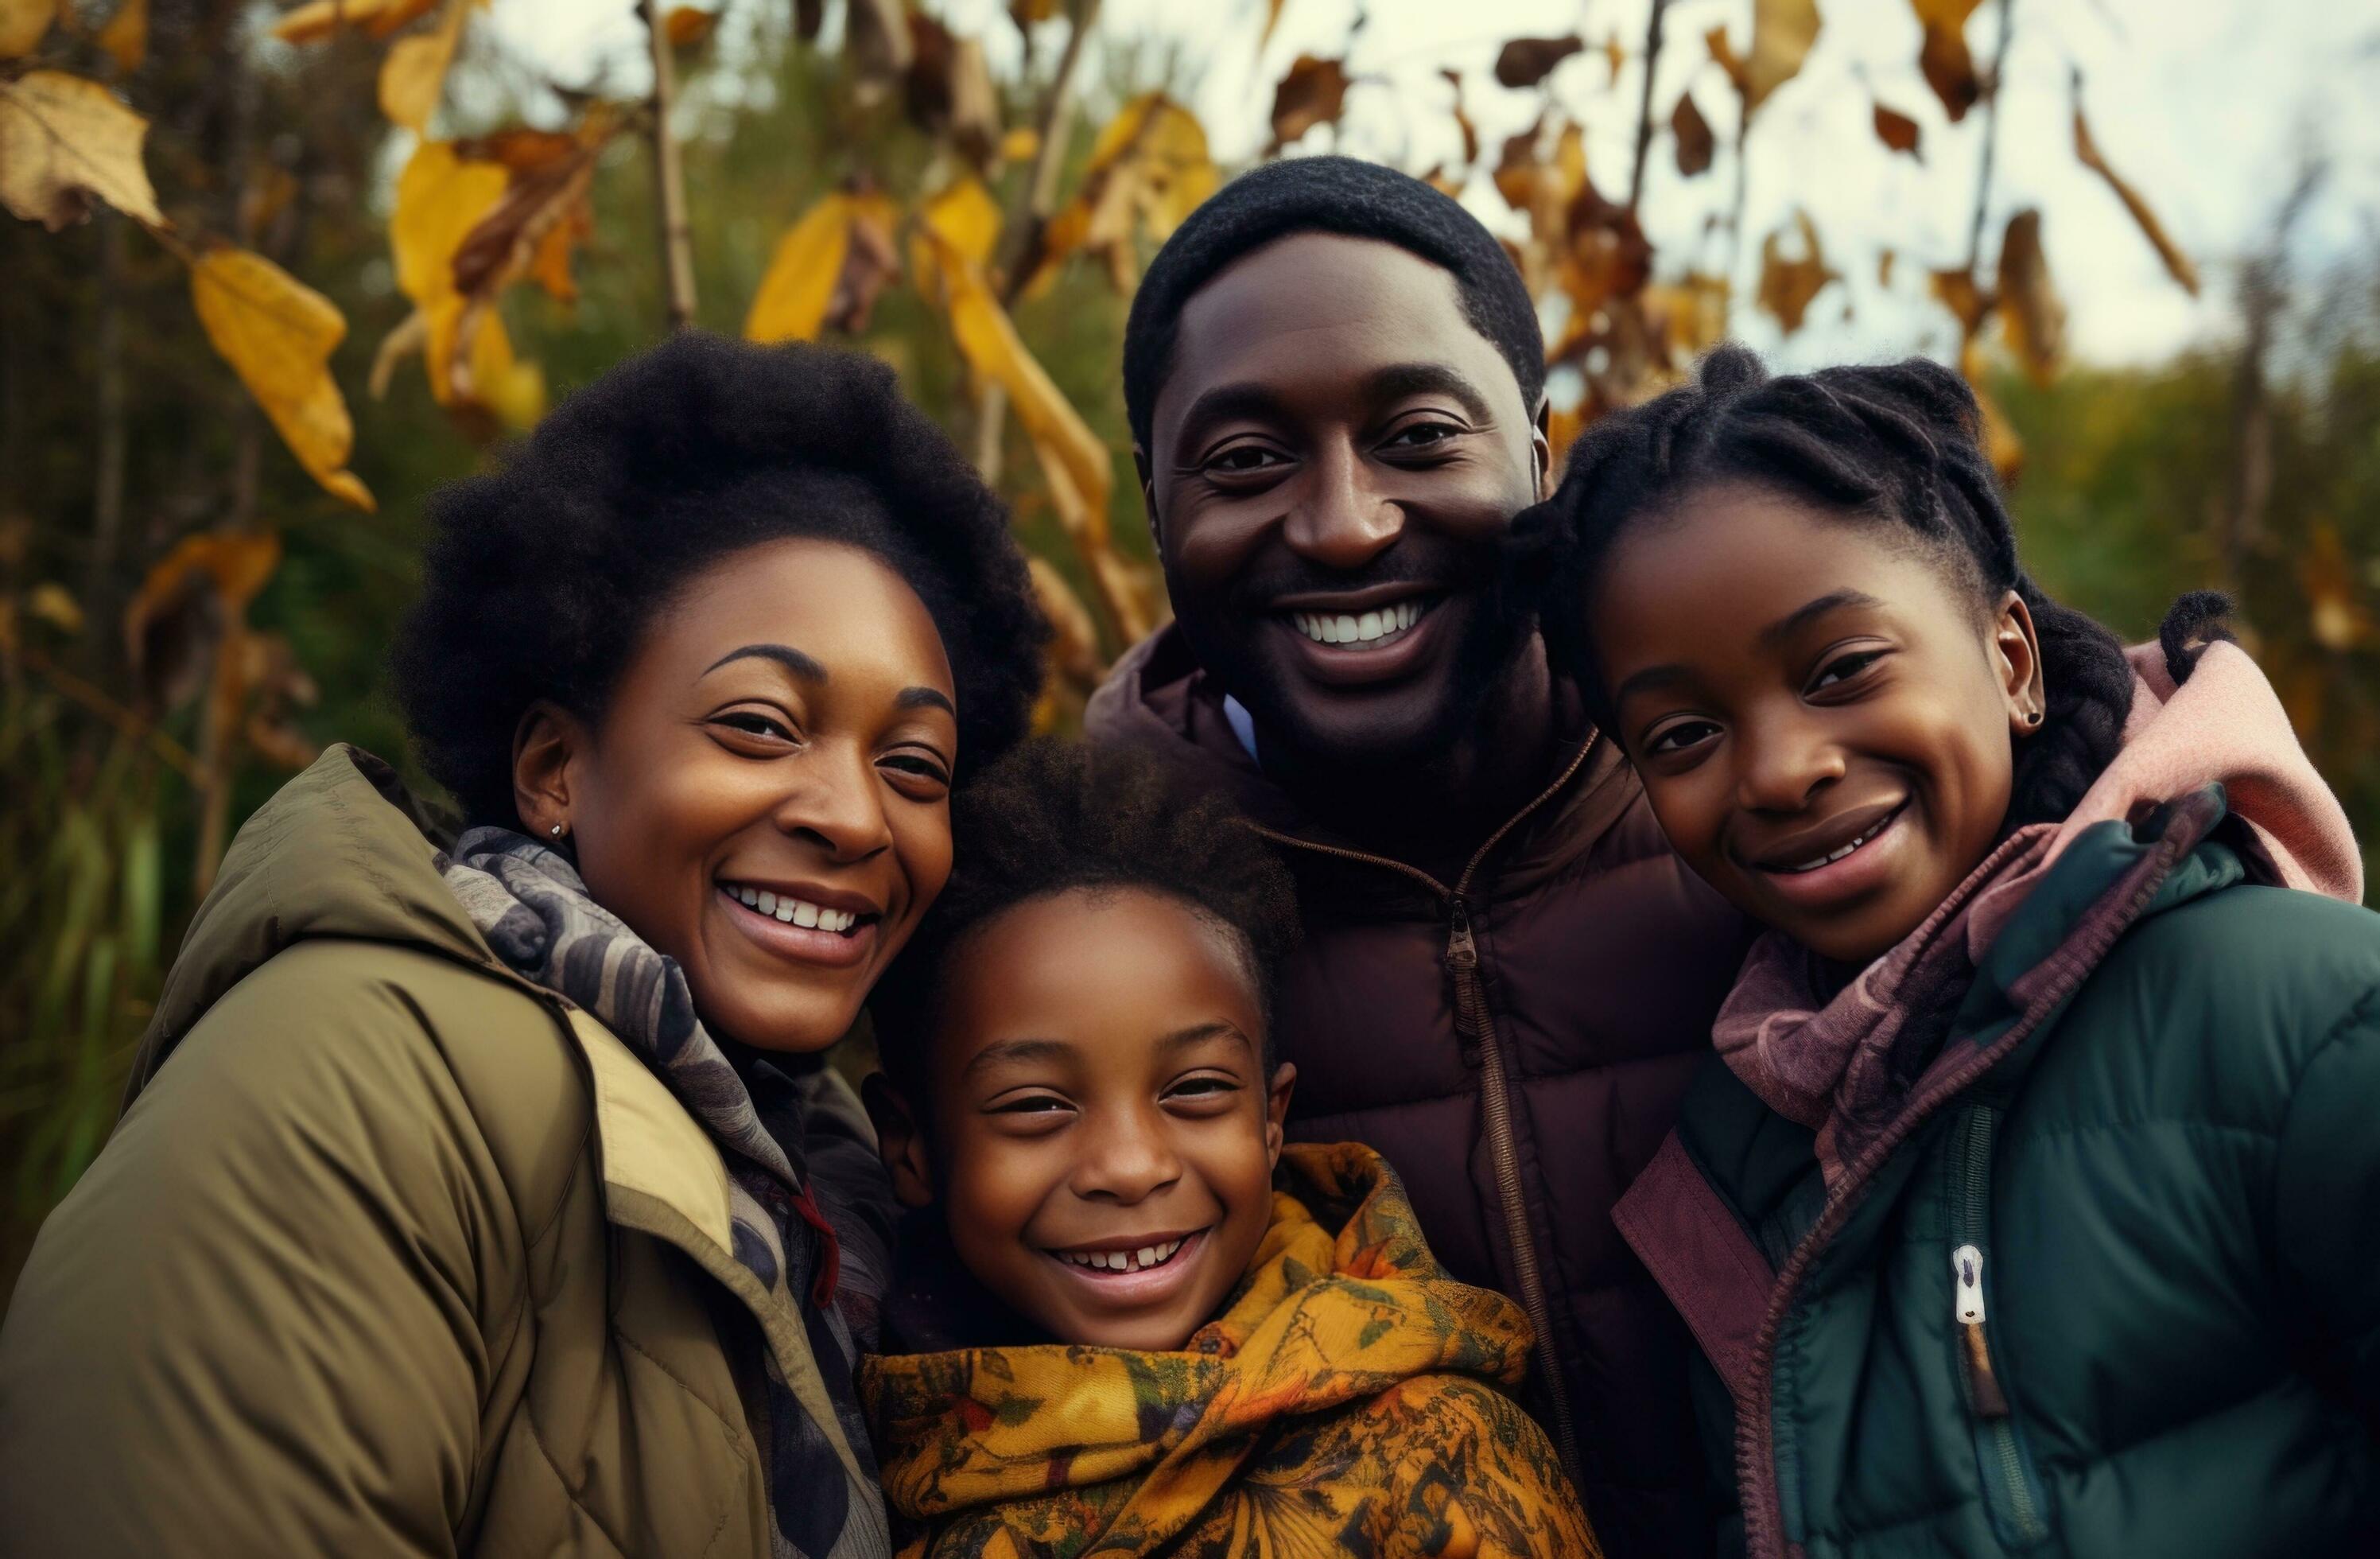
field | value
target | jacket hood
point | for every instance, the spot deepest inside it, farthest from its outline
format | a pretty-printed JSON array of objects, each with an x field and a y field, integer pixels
[
  {"x": 341, "y": 851},
  {"x": 1117, "y": 1448}
]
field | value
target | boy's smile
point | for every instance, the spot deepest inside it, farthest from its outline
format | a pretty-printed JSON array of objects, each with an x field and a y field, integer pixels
[{"x": 1103, "y": 1134}]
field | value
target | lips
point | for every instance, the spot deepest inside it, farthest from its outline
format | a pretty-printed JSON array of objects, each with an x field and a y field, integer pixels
[
  {"x": 1834, "y": 840},
  {"x": 1137, "y": 1284},
  {"x": 1377, "y": 626},
  {"x": 814, "y": 926},
  {"x": 1130, "y": 1259}
]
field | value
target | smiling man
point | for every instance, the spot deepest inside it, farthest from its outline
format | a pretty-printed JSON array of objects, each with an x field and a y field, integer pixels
[{"x": 1336, "y": 385}]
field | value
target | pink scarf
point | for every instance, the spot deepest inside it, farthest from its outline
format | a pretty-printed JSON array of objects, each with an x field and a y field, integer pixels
[{"x": 1835, "y": 1065}]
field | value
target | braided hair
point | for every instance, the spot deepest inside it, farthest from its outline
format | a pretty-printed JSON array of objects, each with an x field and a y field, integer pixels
[{"x": 1897, "y": 445}]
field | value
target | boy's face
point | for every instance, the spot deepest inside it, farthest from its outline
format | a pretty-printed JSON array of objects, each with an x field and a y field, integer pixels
[{"x": 1103, "y": 1133}]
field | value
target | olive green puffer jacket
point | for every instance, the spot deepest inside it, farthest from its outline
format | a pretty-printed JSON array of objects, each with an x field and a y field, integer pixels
[{"x": 2117, "y": 1291}]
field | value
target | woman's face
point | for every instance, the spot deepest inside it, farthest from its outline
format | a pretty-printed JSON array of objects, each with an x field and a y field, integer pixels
[
  {"x": 767, "y": 797},
  {"x": 1824, "y": 721}
]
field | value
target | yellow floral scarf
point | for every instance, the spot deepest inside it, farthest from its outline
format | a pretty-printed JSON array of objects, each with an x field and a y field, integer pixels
[{"x": 1350, "y": 1395}]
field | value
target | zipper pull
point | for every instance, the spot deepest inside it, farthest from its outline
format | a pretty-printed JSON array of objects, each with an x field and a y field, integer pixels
[
  {"x": 1461, "y": 951},
  {"x": 1967, "y": 1267}
]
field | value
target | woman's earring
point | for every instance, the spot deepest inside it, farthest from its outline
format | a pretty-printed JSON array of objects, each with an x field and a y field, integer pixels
[
  {"x": 2033, "y": 717},
  {"x": 562, "y": 828}
]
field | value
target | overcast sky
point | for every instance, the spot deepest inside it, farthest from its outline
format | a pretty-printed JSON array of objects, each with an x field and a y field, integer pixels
[{"x": 2207, "y": 106}]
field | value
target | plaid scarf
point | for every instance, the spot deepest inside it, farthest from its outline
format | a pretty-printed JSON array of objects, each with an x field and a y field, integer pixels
[{"x": 533, "y": 907}]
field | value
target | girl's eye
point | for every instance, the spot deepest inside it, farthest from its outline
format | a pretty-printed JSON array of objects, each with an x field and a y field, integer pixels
[
  {"x": 1842, "y": 668},
  {"x": 1681, "y": 737}
]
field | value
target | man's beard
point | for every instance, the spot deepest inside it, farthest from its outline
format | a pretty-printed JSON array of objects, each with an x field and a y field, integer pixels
[{"x": 1225, "y": 635}]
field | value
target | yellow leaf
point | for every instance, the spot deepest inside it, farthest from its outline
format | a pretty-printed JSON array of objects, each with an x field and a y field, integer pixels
[
  {"x": 2030, "y": 312},
  {"x": 2176, "y": 264},
  {"x": 278, "y": 334},
  {"x": 54, "y": 604},
  {"x": 686, "y": 26},
  {"x": 22, "y": 22},
  {"x": 126, "y": 36},
  {"x": 63, "y": 139},
  {"x": 793, "y": 292},
  {"x": 488, "y": 377},
  {"x": 313, "y": 22},
  {"x": 1782, "y": 32},
  {"x": 1150, "y": 169},
  {"x": 413, "y": 77},
  {"x": 440, "y": 198},
  {"x": 966, "y": 217},
  {"x": 1019, "y": 145}
]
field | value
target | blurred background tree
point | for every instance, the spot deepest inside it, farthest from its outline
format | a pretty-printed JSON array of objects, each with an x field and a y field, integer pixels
[{"x": 275, "y": 272}]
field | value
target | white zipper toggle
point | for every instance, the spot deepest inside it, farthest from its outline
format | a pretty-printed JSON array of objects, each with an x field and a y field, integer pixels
[{"x": 1967, "y": 1263}]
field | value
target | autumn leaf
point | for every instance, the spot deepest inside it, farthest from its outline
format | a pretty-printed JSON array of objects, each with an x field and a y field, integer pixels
[
  {"x": 198, "y": 591},
  {"x": 22, "y": 23},
  {"x": 1443, "y": 182},
  {"x": 63, "y": 139},
  {"x": 949, "y": 88},
  {"x": 1614, "y": 55},
  {"x": 442, "y": 196},
  {"x": 1463, "y": 119},
  {"x": 2176, "y": 264},
  {"x": 544, "y": 210},
  {"x": 1897, "y": 131},
  {"x": 2001, "y": 444},
  {"x": 965, "y": 218},
  {"x": 876, "y": 43},
  {"x": 1272, "y": 20},
  {"x": 1964, "y": 297},
  {"x": 126, "y": 36},
  {"x": 1886, "y": 260},
  {"x": 1787, "y": 286},
  {"x": 2029, "y": 311},
  {"x": 1150, "y": 169},
  {"x": 686, "y": 26},
  {"x": 378, "y": 18},
  {"x": 1524, "y": 62},
  {"x": 1025, "y": 13},
  {"x": 1688, "y": 316},
  {"x": 52, "y": 603},
  {"x": 827, "y": 269},
  {"x": 278, "y": 334},
  {"x": 1692, "y": 133},
  {"x": 1783, "y": 32},
  {"x": 1314, "y": 92},
  {"x": 413, "y": 77},
  {"x": 1943, "y": 58},
  {"x": 1605, "y": 253},
  {"x": 1073, "y": 637}
]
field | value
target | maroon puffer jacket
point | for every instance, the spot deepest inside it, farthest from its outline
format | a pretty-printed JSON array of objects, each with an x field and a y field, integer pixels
[{"x": 1516, "y": 1045}]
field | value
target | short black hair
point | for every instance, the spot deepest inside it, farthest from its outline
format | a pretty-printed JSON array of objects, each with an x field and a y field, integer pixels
[
  {"x": 1340, "y": 195},
  {"x": 1054, "y": 816},
  {"x": 1896, "y": 445},
  {"x": 540, "y": 577}
]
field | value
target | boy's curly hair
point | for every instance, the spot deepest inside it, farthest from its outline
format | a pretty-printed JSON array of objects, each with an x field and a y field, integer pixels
[
  {"x": 540, "y": 577},
  {"x": 1054, "y": 816}
]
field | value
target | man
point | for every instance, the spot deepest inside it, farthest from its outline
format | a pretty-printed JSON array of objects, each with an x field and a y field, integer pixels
[{"x": 1336, "y": 387}]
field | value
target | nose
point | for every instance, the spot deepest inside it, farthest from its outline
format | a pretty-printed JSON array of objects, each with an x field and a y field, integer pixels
[
  {"x": 835, "y": 804},
  {"x": 1341, "y": 522},
  {"x": 1125, "y": 1159},
  {"x": 1783, "y": 763}
]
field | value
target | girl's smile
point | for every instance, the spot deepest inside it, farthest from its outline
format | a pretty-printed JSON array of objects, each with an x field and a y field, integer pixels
[{"x": 1823, "y": 717}]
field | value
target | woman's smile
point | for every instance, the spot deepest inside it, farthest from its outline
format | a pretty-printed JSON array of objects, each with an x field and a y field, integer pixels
[{"x": 814, "y": 925}]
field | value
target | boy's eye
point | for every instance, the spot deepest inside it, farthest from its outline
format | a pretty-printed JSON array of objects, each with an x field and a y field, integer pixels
[
  {"x": 1842, "y": 668},
  {"x": 1030, "y": 1104},
  {"x": 1205, "y": 1087},
  {"x": 1681, "y": 736}
]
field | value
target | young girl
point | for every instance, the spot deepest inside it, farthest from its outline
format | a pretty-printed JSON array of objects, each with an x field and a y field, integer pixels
[
  {"x": 2032, "y": 1203},
  {"x": 1131, "y": 1337}
]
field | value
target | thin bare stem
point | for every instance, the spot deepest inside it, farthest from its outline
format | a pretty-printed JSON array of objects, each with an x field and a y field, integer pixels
[
  {"x": 1644, "y": 105},
  {"x": 1991, "y": 136},
  {"x": 669, "y": 179}
]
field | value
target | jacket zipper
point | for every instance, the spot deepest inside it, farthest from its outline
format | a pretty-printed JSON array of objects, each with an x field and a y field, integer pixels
[
  {"x": 1475, "y": 1027},
  {"x": 2009, "y": 1486}
]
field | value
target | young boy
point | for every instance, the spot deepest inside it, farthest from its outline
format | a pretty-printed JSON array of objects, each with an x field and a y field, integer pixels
[{"x": 1139, "y": 1338}]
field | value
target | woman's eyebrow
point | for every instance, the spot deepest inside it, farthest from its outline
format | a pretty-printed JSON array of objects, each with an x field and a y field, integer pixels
[
  {"x": 785, "y": 655},
  {"x": 927, "y": 698}
]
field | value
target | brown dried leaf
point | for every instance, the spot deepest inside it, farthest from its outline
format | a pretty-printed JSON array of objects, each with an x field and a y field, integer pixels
[
  {"x": 876, "y": 43},
  {"x": 1885, "y": 261},
  {"x": 1613, "y": 55},
  {"x": 443, "y": 198},
  {"x": 1688, "y": 316},
  {"x": 22, "y": 23},
  {"x": 1949, "y": 69},
  {"x": 278, "y": 333},
  {"x": 2176, "y": 264},
  {"x": 377, "y": 19},
  {"x": 192, "y": 597},
  {"x": 1463, "y": 119},
  {"x": 949, "y": 90},
  {"x": 413, "y": 77},
  {"x": 2030, "y": 310},
  {"x": 126, "y": 36},
  {"x": 63, "y": 139},
  {"x": 1897, "y": 131},
  {"x": 1605, "y": 255},
  {"x": 1314, "y": 92},
  {"x": 1786, "y": 287},
  {"x": 1723, "y": 54},
  {"x": 828, "y": 269},
  {"x": 1964, "y": 297},
  {"x": 1524, "y": 62},
  {"x": 2001, "y": 444},
  {"x": 686, "y": 26},
  {"x": 1694, "y": 141}
]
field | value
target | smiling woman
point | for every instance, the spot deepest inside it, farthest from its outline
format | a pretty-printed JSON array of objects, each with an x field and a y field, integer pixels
[{"x": 505, "y": 1180}]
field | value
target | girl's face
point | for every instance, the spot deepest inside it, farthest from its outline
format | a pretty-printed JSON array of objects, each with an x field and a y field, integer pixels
[
  {"x": 1824, "y": 721},
  {"x": 767, "y": 797},
  {"x": 1103, "y": 1132}
]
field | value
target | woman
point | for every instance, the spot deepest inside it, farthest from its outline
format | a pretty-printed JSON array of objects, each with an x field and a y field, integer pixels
[
  {"x": 496, "y": 1201},
  {"x": 2030, "y": 1201}
]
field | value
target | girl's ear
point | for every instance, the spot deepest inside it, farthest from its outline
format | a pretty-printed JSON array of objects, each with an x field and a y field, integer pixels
[
  {"x": 900, "y": 1140},
  {"x": 2016, "y": 651},
  {"x": 546, "y": 748},
  {"x": 1284, "y": 1080}
]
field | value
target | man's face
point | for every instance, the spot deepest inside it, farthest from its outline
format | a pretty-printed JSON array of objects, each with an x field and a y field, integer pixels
[{"x": 1336, "y": 454}]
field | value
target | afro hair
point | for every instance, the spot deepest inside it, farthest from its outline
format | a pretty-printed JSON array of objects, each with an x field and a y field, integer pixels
[
  {"x": 1339, "y": 195},
  {"x": 540, "y": 578},
  {"x": 1054, "y": 816}
]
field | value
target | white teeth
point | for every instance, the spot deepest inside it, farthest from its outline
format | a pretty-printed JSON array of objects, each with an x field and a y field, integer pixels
[
  {"x": 805, "y": 914},
  {"x": 1344, "y": 628},
  {"x": 1829, "y": 859},
  {"x": 1123, "y": 1260},
  {"x": 766, "y": 904},
  {"x": 794, "y": 911}
]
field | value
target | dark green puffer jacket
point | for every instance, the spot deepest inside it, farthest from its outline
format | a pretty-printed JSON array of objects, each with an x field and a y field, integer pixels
[{"x": 2168, "y": 1191}]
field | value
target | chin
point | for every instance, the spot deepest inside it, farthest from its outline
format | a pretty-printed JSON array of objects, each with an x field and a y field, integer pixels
[{"x": 786, "y": 1028}]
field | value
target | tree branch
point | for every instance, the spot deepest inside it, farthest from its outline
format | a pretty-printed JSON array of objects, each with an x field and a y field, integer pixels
[
  {"x": 669, "y": 181},
  {"x": 1644, "y": 105},
  {"x": 1991, "y": 136}
]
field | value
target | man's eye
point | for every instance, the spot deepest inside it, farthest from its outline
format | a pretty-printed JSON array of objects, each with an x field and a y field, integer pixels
[
  {"x": 1423, "y": 436},
  {"x": 1681, "y": 737},
  {"x": 1242, "y": 459},
  {"x": 1842, "y": 668}
]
